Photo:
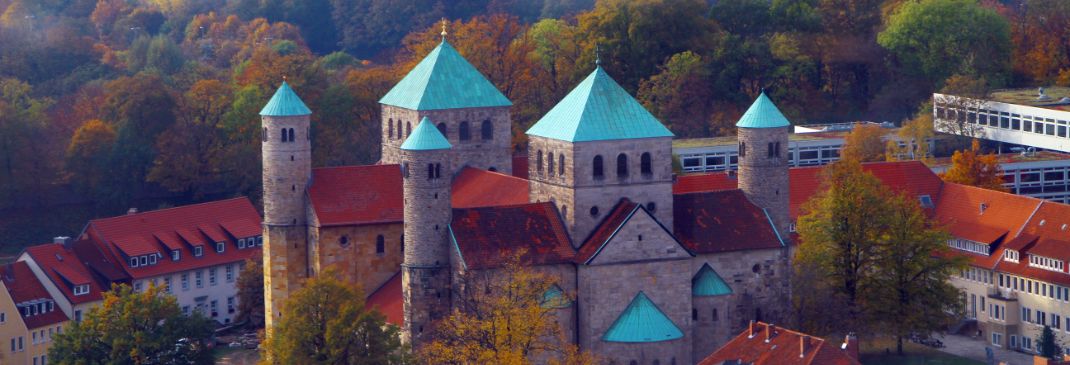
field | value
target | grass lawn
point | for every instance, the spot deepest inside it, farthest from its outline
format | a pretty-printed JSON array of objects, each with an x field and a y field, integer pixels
[{"x": 914, "y": 354}]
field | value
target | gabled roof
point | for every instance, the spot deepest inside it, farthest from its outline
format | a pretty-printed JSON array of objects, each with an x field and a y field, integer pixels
[
  {"x": 763, "y": 114},
  {"x": 486, "y": 236},
  {"x": 444, "y": 80},
  {"x": 642, "y": 322},
  {"x": 960, "y": 210},
  {"x": 65, "y": 269},
  {"x": 783, "y": 348},
  {"x": 912, "y": 178},
  {"x": 388, "y": 300},
  {"x": 481, "y": 188},
  {"x": 24, "y": 287},
  {"x": 614, "y": 223},
  {"x": 707, "y": 283},
  {"x": 598, "y": 109},
  {"x": 721, "y": 221},
  {"x": 351, "y": 195},
  {"x": 118, "y": 237},
  {"x": 425, "y": 138},
  {"x": 285, "y": 103}
]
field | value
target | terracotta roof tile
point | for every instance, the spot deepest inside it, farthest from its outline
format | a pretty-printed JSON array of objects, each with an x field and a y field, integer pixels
[
  {"x": 99, "y": 264},
  {"x": 1050, "y": 219},
  {"x": 66, "y": 269},
  {"x": 481, "y": 188},
  {"x": 783, "y": 348},
  {"x": 605, "y": 230},
  {"x": 721, "y": 221},
  {"x": 135, "y": 235},
  {"x": 23, "y": 287},
  {"x": 485, "y": 236},
  {"x": 1051, "y": 248},
  {"x": 977, "y": 232},
  {"x": 960, "y": 210},
  {"x": 694, "y": 183},
  {"x": 387, "y": 299},
  {"x": 349, "y": 195}
]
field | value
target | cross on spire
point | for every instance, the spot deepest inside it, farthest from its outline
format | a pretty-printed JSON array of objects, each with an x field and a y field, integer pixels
[
  {"x": 444, "y": 22},
  {"x": 597, "y": 55}
]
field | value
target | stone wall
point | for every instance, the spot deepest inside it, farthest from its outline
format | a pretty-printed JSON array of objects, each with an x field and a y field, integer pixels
[
  {"x": 494, "y": 153},
  {"x": 351, "y": 252},
  {"x": 285, "y": 266},
  {"x": 427, "y": 212},
  {"x": 762, "y": 178}
]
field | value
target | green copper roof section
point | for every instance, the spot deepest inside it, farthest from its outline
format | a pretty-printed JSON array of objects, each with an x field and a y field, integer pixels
[
  {"x": 642, "y": 321},
  {"x": 598, "y": 109},
  {"x": 444, "y": 80},
  {"x": 554, "y": 298},
  {"x": 707, "y": 283},
  {"x": 763, "y": 114},
  {"x": 425, "y": 138},
  {"x": 285, "y": 103}
]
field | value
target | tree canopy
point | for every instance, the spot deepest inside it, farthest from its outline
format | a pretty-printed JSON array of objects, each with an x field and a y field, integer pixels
[{"x": 971, "y": 167}]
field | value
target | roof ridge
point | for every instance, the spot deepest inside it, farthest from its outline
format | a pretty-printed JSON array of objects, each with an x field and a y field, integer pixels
[
  {"x": 169, "y": 208},
  {"x": 354, "y": 166}
]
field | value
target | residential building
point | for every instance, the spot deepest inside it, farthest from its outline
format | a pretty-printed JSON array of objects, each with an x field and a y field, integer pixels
[
  {"x": 68, "y": 277},
  {"x": 29, "y": 317}
]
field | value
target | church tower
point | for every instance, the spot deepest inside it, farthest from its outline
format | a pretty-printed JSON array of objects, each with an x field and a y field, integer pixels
[
  {"x": 467, "y": 109},
  {"x": 287, "y": 164},
  {"x": 763, "y": 160},
  {"x": 593, "y": 148},
  {"x": 425, "y": 279}
]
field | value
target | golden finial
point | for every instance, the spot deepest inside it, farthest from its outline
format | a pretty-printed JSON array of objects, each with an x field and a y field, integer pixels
[{"x": 444, "y": 22}]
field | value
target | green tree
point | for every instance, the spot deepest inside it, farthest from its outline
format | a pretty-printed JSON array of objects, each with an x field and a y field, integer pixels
[
  {"x": 680, "y": 95},
  {"x": 141, "y": 107},
  {"x": 87, "y": 155},
  {"x": 23, "y": 167},
  {"x": 134, "y": 328},
  {"x": 935, "y": 39},
  {"x": 1046, "y": 344},
  {"x": 326, "y": 322},
  {"x": 190, "y": 151},
  {"x": 251, "y": 293}
]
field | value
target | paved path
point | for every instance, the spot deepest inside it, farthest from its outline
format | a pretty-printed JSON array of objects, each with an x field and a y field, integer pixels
[{"x": 974, "y": 348}]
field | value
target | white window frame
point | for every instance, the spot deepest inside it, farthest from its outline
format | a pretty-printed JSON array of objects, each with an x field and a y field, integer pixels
[
  {"x": 144, "y": 260},
  {"x": 82, "y": 289},
  {"x": 175, "y": 255},
  {"x": 133, "y": 262},
  {"x": 212, "y": 277},
  {"x": 241, "y": 243},
  {"x": 198, "y": 251},
  {"x": 220, "y": 247},
  {"x": 152, "y": 259}
]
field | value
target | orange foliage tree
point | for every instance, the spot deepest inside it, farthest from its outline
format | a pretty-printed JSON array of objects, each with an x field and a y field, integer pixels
[
  {"x": 864, "y": 144},
  {"x": 970, "y": 167}
]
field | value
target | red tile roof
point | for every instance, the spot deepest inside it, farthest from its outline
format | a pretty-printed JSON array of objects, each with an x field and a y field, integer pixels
[
  {"x": 909, "y": 177},
  {"x": 66, "y": 270},
  {"x": 486, "y": 236},
  {"x": 598, "y": 238},
  {"x": 959, "y": 209},
  {"x": 23, "y": 287},
  {"x": 135, "y": 234},
  {"x": 1022, "y": 268},
  {"x": 349, "y": 195},
  {"x": 481, "y": 188},
  {"x": 695, "y": 183},
  {"x": 99, "y": 264},
  {"x": 387, "y": 299},
  {"x": 783, "y": 348},
  {"x": 721, "y": 221},
  {"x": 1051, "y": 248},
  {"x": 977, "y": 232},
  {"x": 1051, "y": 219}
]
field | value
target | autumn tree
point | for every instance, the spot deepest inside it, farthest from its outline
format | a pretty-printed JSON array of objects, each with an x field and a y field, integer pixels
[
  {"x": 140, "y": 107},
  {"x": 914, "y": 136},
  {"x": 864, "y": 143},
  {"x": 251, "y": 293},
  {"x": 129, "y": 327},
  {"x": 22, "y": 128},
  {"x": 326, "y": 322},
  {"x": 87, "y": 156},
  {"x": 1040, "y": 30},
  {"x": 971, "y": 167},
  {"x": 190, "y": 151},
  {"x": 679, "y": 96},
  {"x": 504, "y": 319}
]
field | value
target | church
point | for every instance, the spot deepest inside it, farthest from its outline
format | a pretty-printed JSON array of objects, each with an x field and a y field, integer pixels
[{"x": 651, "y": 276}]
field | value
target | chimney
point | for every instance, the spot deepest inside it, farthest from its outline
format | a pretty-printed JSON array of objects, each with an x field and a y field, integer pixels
[
  {"x": 752, "y": 327},
  {"x": 63, "y": 240},
  {"x": 804, "y": 345},
  {"x": 850, "y": 344},
  {"x": 769, "y": 328},
  {"x": 132, "y": 210}
]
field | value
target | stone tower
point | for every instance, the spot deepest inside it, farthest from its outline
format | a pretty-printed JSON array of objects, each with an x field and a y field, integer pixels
[
  {"x": 425, "y": 279},
  {"x": 287, "y": 163},
  {"x": 763, "y": 160},
  {"x": 467, "y": 109},
  {"x": 593, "y": 148}
]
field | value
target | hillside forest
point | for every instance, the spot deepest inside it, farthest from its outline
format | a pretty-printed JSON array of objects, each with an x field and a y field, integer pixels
[{"x": 111, "y": 104}]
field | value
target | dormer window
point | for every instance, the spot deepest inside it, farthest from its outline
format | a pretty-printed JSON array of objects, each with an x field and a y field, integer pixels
[
  {"x": 259, "y": 240},
  {"x": 926, "y": 201},
  {"x": 133, "y": 262},
  {"x": 1010, "y": 255},
  {"x": 175, "y": 255},
  {"x": 198, "y": 251},
  {"x": 81, "y": 289},
  {"x": 220, "y": 246},
  {"x": 152, "y": 259},
  {"x": 1045, "y": 263},
  {"x": 241, "y": 243},
  {"x": 970, "y": 246},
  {"x": 144, "y": 260}
]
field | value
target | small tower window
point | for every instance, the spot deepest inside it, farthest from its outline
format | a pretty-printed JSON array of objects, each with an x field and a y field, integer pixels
[
  {"x": 291, "y": 131},
  {"x": 538, "y": 161},
  {"x": 264, "y": 137},
  {"x": 438, "y": 170},
  {"x": 622, "y": 165},
  {"x": 399, "y": 129},
  {"x": 644, "y": 164},
  {"x": 408, "y": 128},
  {"x": 463, "y": 131},
  {"x": 344, "y": 241},
  {"x": 390, "y": 128},
  {"x": 596, "y": 168},
  {"x": 430, "y": 171},
  {"x": 442, "y": 129},
  {"x": 771, "y": 152},
  {"x": 550, "y": 164},
  {"x": 742, "y": 149},
  {"x": 594, "y": 211},
  {"x": 561, "y": 164},
  {"x": 487, "y": 130},
  {"x": 282, "y": 134},
  {"x": 776, "y": 149},
  {"x": 380, "y": 244}
]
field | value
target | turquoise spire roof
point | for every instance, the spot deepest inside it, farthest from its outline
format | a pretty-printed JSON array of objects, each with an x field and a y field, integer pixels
[
  {"x": 285, "y": 103},
  {"x": 444, "y": 80},
  {"x": 642, "y": 321},
  {"x": 707, "y": 283},
  {"x": 425, "y": 137},
  {"x": 598, "y": 109},
  {"x": 763, "y": 114}
]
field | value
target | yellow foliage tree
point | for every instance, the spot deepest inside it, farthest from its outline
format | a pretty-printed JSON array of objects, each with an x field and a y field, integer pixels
[
  {"x": 864, "y": 144},
  {"x": 970, "y": 167},
  {"x": 914, "y": 135}
]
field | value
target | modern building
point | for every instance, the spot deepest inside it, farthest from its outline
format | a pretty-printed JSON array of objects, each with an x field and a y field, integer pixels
[
  {"x": 29, "y": 317},
  {"x": 767, "y": 344},
  {"x": 1038, "y": 174},
  {"x": 1018, "y": 117}
]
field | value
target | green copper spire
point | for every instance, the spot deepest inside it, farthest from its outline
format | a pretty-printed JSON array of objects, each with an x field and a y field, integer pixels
[
  {"x": 763, "y": 114},
  {"x": 707, "y": 283},
  {"x": 642, "y": 321},
  {"x": 444, "y": 80},
  {"x": 285, "y": 103},
  {"x": 425, "y": 138},
  {"x": 598, "y": 109}
]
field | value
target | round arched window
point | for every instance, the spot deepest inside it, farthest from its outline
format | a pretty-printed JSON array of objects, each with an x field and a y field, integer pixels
[
  {"x": 756, "y": 268},
  {"x": 594, "y": 211},
  {"x": 651, "y": 207},
  {"x": 343, "y": 241}
]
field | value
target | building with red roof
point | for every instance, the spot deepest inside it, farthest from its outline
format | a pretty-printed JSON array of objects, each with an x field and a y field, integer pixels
[
  {"x": 29, "y": 316},
  {"x": 67, "y": 276},
  {"x": 766, "y": 344}
]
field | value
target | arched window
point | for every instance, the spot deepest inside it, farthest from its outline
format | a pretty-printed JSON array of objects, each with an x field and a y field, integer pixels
[
  {"x": 538, "y": 161},
  {"x": 463, "y": 131},
  {"x": 694, "y": 314},
  {"x": 714, "y": 314},
  {"x": 430, "y": 171},
  {"x": 644, "y": 164},
  {"x": 282, "y": 134},
  {"x": 622, "y": 165},
  {"x": 771, "y": 152},
  {"x": 487, "y": 130},
  {"x": 776, "y": 150},
  {"x": 390, "y": 128},
  {"x": 550, "y": 164},
  {"x": 264, "y": 137},
  {"x": 399, "y": 129},
  {"x": 742, "y": 149},
  {"x": 402, "y": 243},
  {"x": 438, "y": 170},
  {"x": 292, "y": 135},
  {"x": 380, "y": 244},
  {"x": 408, "y": 128},
  {"x": 561, "y": 164},
  {"x": 596, "y": 168},
  {"x": 442, "y": 129}
]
